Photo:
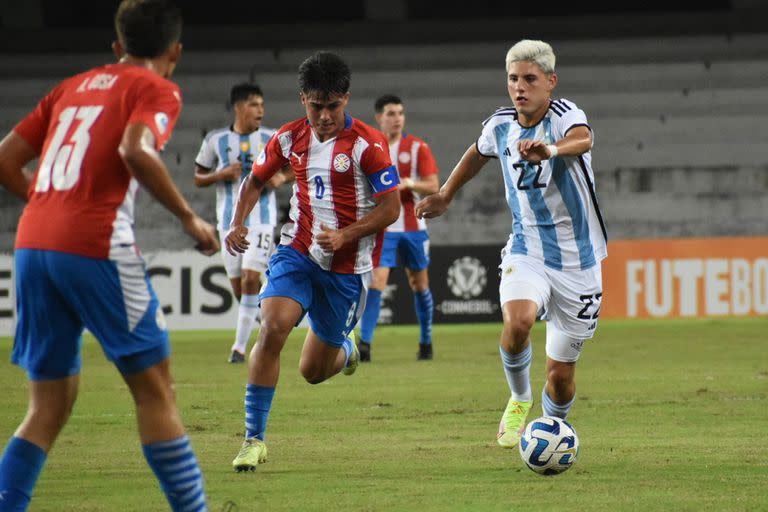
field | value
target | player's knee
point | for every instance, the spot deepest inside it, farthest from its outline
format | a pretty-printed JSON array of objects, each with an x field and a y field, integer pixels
[
  {"x": 560, "y": 376},
  {"x": 271, "y": 335},
  {"x": 311, "y": 373},
  {"x": 518, "y": 328}
]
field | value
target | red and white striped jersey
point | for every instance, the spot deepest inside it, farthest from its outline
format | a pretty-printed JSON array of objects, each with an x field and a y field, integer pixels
[
  {"x": 336, "y": 183},
  {"x": 82, "y": 195},
  {"x": 414, "y": 160}
]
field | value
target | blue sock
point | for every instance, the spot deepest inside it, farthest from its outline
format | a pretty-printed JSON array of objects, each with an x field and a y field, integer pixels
[
  {"x": 370, "y": 315},
  {"x": 348, "y": 347},
  {"x": 550, "y": 408},
  {"x": 21, "y": 465},
  {"x": 175, "y": 466},
  {"x": 258, "y": 402},
  {"x": 424, "y": 307},
  {"x": 517, "y": 368}
]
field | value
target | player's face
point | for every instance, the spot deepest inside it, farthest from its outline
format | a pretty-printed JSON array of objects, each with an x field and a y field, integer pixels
[
  {"x": 250, "y": 112},
  {"x": 325, "y": 113},
  {"x": 530, "y": 88},
  {"x": 392, "y": 120}
]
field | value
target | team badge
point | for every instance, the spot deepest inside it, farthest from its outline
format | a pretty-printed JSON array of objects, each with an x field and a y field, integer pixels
[
  {"x": 341, "y": 163},
  {"x": 161, "y": 121},
  {"x": 262, "y": 157},
  {"x": 404, "y": 157},
  {"x": 245, "y": 146}
]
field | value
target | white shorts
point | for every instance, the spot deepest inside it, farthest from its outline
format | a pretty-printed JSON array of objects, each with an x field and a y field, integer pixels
[
  {"x": 568, "y": 299},
  {"x": 256, "y": 257}
]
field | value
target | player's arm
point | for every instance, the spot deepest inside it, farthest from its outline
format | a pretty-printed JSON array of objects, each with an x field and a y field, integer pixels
[
  {"x": 137, "y": 150},
  {"x": 467, "y": 168},
  {"x": 205, "y": 177},
  {"x": 576, "y": 142},
  {"x": 385, "y": 212},
  {"x": 425, "y": 186},
  {"x": 15, "y": 153},
  {"x": 281, "y": 177}
]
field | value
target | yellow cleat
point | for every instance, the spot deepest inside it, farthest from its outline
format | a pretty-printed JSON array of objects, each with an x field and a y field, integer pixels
[
  {"x": 252, "y": 453},
  {"x": 354, "y": 359},
  {"x": 512, "y": 423}
]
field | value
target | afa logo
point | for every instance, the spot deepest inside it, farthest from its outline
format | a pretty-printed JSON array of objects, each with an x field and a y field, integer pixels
[
  {"x": 245, "y": 146},
  {"x": 404, "y": 158},
  {"x": 467, "y": 277},
  {"x": 341, "y": 163},
  {"x": 262, "y": 157}
]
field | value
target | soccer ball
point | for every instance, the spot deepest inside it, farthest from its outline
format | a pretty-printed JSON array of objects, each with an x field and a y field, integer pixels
[{"x": 549, "y": 446}]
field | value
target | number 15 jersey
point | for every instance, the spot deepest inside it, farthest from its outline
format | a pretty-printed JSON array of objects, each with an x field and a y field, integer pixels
[
  {"x": 555, "y": 216},
  {"x": 82, "y": 195}
]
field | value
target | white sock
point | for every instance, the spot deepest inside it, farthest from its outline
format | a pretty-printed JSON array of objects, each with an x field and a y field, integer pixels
[
  {"x": 517, "y": 369},
  {"x": 248, "y": 317}
]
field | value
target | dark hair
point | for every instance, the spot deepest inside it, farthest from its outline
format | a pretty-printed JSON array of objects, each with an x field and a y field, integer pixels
[
  {"x": 146, "y": 28},
  {"x": 243, "y": 91},
  {"x": 383, "y": 101},
  {"x": 324, "y": 72}
]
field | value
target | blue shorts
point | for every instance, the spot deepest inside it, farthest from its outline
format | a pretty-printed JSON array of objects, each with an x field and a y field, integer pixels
[
  {"x": 59, "y": 294},
  {"x": 333, "y": 301},
  {"x": 412, "y": 246}
]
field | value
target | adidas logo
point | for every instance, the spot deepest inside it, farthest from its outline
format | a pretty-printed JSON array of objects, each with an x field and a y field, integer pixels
[{"x": 507, "y": 152}]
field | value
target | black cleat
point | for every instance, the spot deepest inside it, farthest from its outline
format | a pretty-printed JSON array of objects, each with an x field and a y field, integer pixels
[
  {"x": 236, "y": 357},
  {"x": 425, "y": 352},
  {"x": 365, "y": 351}
]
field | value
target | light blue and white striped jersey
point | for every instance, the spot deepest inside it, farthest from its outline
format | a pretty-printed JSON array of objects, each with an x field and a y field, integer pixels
[
  {"x": 223, "y": 147},
  {"x": 555, "y": 216}
]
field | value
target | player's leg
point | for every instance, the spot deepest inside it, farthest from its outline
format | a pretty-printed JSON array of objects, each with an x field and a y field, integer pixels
[
  {"x": 166, "y": 445},
  {"x": 248, "y": 313},
  {"x": 372, "y": 309},
  {"x": 573, "y": 313},
  {"x": 284, "y": 300},
  {"x": 119, "y": 306},
  {"x": 47, "y": 346},
  {"x": 414, "y": 251},
  {"x": 523, "y": 291},
  {"x": 370, "y": 317},
  {"x": 339, "y": 300},
  {"x": 253, "y": 263}
]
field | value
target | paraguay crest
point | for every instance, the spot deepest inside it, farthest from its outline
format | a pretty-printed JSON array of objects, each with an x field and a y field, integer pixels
[{"x": 341, "y": 163}]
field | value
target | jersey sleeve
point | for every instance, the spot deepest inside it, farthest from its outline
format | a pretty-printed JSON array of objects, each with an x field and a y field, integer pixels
[
  {"x": 34, "y": 127},
  {"x": 427, "y": 165},
  {"x": 486, "y": 143},
  {"x": 272, "y": 157},
  {"x": 377, "y": 166},
  {"x": 157, "y": 106},
  {"x": 206, "y": 157},
  {"x": 571, "y": 118}
]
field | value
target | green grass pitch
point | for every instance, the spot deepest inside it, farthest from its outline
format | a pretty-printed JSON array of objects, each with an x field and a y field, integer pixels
[{"x": 672, "y": 416}]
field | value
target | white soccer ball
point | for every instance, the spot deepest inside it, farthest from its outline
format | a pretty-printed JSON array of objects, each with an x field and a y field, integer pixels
[{"x": 549, "y": 445}]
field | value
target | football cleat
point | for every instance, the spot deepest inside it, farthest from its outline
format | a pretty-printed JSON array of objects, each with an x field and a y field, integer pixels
[
  {"x": 354, "y": 358},
  {"x": 236, "y": 357},
  {"x": 512, "y": 423},
  {"x": 252, "y": 453},
  {"x": 365, "y": 349},
  {"x": 425, "y": 352}
]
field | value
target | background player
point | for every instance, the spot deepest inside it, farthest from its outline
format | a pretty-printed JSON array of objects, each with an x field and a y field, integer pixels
[
  {"x": 407, "y": 236},
  {"x": 552, "y": 259},
  {"x": 97, "y": 134},
  {"x": 225, "y": 158},
  {"x": 343, "y": 199}
]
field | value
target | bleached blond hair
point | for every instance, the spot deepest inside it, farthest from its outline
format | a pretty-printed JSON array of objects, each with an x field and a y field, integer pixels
[{"x": 529, "y": 50}]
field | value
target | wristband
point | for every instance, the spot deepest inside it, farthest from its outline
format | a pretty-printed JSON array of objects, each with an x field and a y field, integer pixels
[{"x": 552, "y": 150}]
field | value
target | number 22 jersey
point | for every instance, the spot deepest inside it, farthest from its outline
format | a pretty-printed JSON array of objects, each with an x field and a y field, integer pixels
[{"x": 82, "y": 196}]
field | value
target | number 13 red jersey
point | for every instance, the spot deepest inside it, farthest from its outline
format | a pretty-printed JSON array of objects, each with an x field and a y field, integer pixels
[{"x": 82, "y": 195}]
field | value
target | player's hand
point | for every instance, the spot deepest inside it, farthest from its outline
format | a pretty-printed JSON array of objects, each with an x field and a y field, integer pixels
[
  {"x": 203, "y": 233},
  {"x": 235, "y": 240},
  {"x": 533, "y": 151},
  {"x": 432, "y": 206},
  {"x": 231, "y": 172},
  {"x": 330, "y": 239}
]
